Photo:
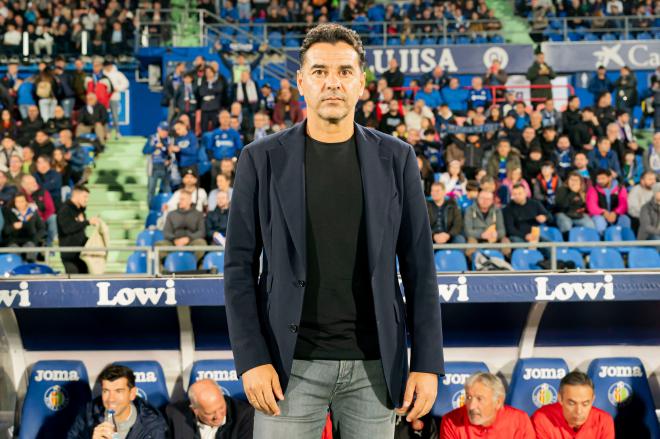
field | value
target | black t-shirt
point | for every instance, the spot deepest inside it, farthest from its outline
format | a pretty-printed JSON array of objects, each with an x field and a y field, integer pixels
[{"x": 337, "y": 321}]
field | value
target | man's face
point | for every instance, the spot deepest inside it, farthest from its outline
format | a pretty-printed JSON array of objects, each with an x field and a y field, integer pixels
[
  {"x": 503, "y": 149},
  {"x": 550, "y": 105},
  {"x": 624, "y": 118},
  {"x": 222, "y": 200},
  {"x": 453, "y": 83},
  {"x": 437, "y": 193},
  {"x": 540, "y": 58},
  {"x": 189, "y": 180},
  {"x": 648, "y": 180},
  {"x": 15, "y": 164},
  {"x": 7, "y": 143},
  {"x": 604, "y": 146},
  {"x": 580, "y": 161},
  {"x": 612, "y": 131},
  {"x": 185, "y": 201},
  {"x": 477, "y": 83},
  {"x": 42, "y": 165},
  {"x": 603, "y": 180},
  {"x": 656, "y": 141},
  {"x": 331, "y": 81},
  {"x": 563, "y": 143},
  {"x": 482, "y": 407},
  {"x": 116, "y": 395},
  {"x": 211, "y": 411},
  {"x": 394, "y": 107},
  {"x": 574, "y": 104},
  {"x": 91, "y": 99},
  {"x": 576, "y": 402},
  {"x": 485, "y": 200},
  {"x": 180, "y": 129},
  {"x": 519, "y": 196},
  {"x": 225, "y": 118},
  {"x": 33, "y": 112},
  {"x": 41, "y": 137},
  {"x": 227, "y": 166},
  {"x": 528, "y": 134}
]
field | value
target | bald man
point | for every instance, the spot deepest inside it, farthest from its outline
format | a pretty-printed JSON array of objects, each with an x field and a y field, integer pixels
[{"x": 208, "y": 414}]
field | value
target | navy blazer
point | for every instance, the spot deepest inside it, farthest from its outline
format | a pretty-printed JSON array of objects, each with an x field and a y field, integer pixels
[{"x": 267, "y": 215}]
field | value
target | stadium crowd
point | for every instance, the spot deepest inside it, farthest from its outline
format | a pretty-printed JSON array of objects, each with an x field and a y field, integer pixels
[{"x": 492, "y": 172}]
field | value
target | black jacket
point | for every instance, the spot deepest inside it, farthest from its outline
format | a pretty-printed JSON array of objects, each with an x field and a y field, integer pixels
[
  {"x": 32, "y": 231},
  {"x": 238, "y": 424},
  {"x": 519, "y": 220},
  {"x": 149, "y": 424},
  {"x": 570, "y": 203},
  {"x": 70, "y": 231},
  {"x": 98, "y": 115},
  {"x": 212, "y": 97},
  {"x": 216, "y": 221},
  {"x": 453, "y": 218}
]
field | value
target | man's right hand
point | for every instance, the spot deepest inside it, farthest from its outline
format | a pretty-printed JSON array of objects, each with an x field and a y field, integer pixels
[
  {"x": 103, "y": 431},
  {"x": 262, "y": 386}
]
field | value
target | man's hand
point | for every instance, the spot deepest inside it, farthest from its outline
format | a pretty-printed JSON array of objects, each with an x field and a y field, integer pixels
[
  {"x": 184, "y": 240},
  {"x": 423, "y": 387},
  {"x": 611, "y": 217},
  {"x": 18, "y": 225},
  {"x": 95, "y": 221},
  {"x": 262, "y": 386},
  {"x": 541, "y": 219},
  {"x": 441, "y": 238},
  {"x": 103, "y": 431}
]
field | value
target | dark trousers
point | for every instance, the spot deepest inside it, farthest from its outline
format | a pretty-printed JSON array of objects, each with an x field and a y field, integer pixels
[
  {"x": 209, "y": 120},
  {"x": 73, "y": 264}
]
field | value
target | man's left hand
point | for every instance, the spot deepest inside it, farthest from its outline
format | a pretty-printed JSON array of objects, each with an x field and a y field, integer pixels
[{"x": 423, "y": 388}]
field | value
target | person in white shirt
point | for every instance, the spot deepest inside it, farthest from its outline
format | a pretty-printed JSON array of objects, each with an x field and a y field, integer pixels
[
  {"x": 642, "y": 193},
  {"x": 223, "y": 184},
  {"x": 419, "y": 111},
  {"x": 119, "y": 84}
]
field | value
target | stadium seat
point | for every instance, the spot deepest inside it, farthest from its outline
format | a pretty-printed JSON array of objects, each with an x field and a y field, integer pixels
[
  {"x": 223, "y": 372},
  {"x": 524, "y": 259},
  {"x": 618, "y": 233},
  {"x": 158, "y": 200},
  {"x": 451, "y": 390},
  {"x": 551, "y": 234},
  {"x": 152, "y": 218},
  {"x": 137, "y": 263},
  {"x": 556, "y": 37},
  {"x": 583, "y": 234},
  {"x": 56, "y": 392},
  {"x": 450, "y": 260},
  {"x": 570, "y": 254},
  {"x": 275, "y": 39},
  {"x": 412, "y": 42},
  {"x": 591, "y": 37},
  {"x": 644, "y": 36},
  {"x": 214, "y": 260},
  {"x": 32, "y": 270},
  {"x": 428, "y": 41},
  {"x": 623, "y": 391},
  {"x": 606, "y": 259},
  {"x": 148, "y": 238},
  {"x": 150, "y": 382},
  {"x": 9, "y": 261},
  {"x": 497, "y": 39},
  {"x": 462, "y": 39},
  {"x": 180, "y": 261},
  {"x": 393, "y": 41},
  {"x": 376, "y": 13},
  {"x": 608, "y": 37},
  {"x": 535, "y": 382},
  {"x": 480, "y": 39},
  {"x": 643, "y": 257},
  {"x": 489, "y": 253}
]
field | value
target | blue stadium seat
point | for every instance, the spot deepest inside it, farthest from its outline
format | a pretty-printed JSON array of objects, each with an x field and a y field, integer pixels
[
  {"x": 535, "y": 382},
  {"x": 618, "y": 233},
  {"x": 376, "y": 13},
  {"x": 376, "y": 39},
  {"x": 214, "y": 260},
  {"x": 412, "y": 42},
  {"x": 9, "y": 261},
  {"x": 489, "y": 253},
  {"x": 150, "y": 382},
  {"x": 574, "y": 36},
  {"x": 644, "y": 36},
  {"x": 497, "y": 39},
  {"x": 152, "y": 218},
  {"x": 643, "y": 257},
  {"x": 223, "y": 372},
  {"x": 608, "y": 37},
  {"x": 480, "y": 39},
  {"x": 570, "y": 254},
  {"x": 606, "y": 259},
  {"x": 180, "y": 261},
  {"x": 623, "y": 391},
  {"x": 428, "y": 41},
  {"x": 137, "y": 263},
  {"x": 556, "y": 37},
  {"x": 291, "y": 42},
  {"x": 32, "y": 270},
  {"x": 56, "y": 392},
  {"x": 158, "y": 200},
  {"x": 583, "y": 234},
  {"x": 451, "y": 390},
  {"x": 450, "y": 260},
  {"x": 149, "y": 237},
  {"x": 551, "y": 234},
  {"x": 524, "y": 259},
  {"x": 275, "y": 39},
  {"x": 462, "y": 39},
  {"x": 591, "y": 37},
  {"x": 393, "y": 41}
]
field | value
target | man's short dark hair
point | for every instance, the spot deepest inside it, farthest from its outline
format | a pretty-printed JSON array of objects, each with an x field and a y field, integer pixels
[
  {"x": 605, "y": 172},
  {"x": 113, "y": 372},
  {"x": 576, "y": 378},
  {"x": 517, "y": 186},
  {"x": 332, "y": 33},
  {"x": 80, "y": 188},
  {"x": 548, "y": 163}
]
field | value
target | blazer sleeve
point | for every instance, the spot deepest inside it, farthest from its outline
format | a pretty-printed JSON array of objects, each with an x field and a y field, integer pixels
[
  {"x": 242, "y": 250},
  {"x": 414, "y": 249}
]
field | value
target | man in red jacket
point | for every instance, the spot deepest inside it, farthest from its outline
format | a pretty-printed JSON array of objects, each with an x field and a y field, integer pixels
[
  {"x": 574, "y": 415},
  {"x": 484, "y": 414}
]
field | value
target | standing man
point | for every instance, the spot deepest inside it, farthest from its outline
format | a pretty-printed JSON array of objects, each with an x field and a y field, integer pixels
[
  {"x": 540, "y": 73},
  {"x": 71, "y": 224},
  {"x": 331, "y": 204}
]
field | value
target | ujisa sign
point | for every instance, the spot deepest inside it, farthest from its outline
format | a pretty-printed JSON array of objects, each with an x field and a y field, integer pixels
[{"x": 132, "y": 296}]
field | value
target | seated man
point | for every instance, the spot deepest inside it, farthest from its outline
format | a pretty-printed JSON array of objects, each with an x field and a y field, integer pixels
[
  {"x": 43, "y": 203},
  {"x": 484, "y": 413},
  {"x": 574, "y": 415},
  {"x": 134, "y": 417},
  {"x": 216, "y": 219},
  {"x": 523, "y": 216},
  {"x": 649, "y": 219},
  {"x": 444, "y": 216},
  {"x": 607, "y": 202},
  {"x": 93, "y": 118},
  {"x": 184, "y": 226},
  {"x": 641, "y": 194},
  {"x": 210, "y": 414},
  {"x": 483, "y": 222}
]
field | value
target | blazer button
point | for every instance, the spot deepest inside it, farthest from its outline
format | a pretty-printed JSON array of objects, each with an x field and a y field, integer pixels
[
  {"x": 301, "y": 284},
  {"x": 293, "y": 328}
]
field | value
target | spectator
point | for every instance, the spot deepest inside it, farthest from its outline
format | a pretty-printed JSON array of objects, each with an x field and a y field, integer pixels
[
  {"x": 184, "y": 100},
  {"x": 209, "y": 413},
  {"x": 524, "y": 216},
  {"x": 93, "y": 118},
  {"x": 545, "y": 185},
  {"x": 483, "y": 222},
  {"x": 119, "y": 85},
  {"x": 562, "y": 156},
  {"x": 439, "y": 77},
  {"x": 540, "y": 76},
  {"x": 496, "y": 76},
  {"x": 478, "y": 96},
  {"x": 267, "y": 99},
  {"x": 600, "y": 83},
  {"x": 502, "y": 158},
  {"x": 184, "y": 226},
  {"x": 604, "y": 158},
  {"x": 429, "y": 95},
  {"x": 394, "y": 78},
  {"x": 652, "y": 155},
  {"x": 28, "y": 167},
  {"x": 455, "y": 97},
  {"x": 533, "y": 163},
  {"x": 23, "y": 226},
  {"x": 444, "y": 216},
  {"x": 366, "y": 115},
  {"x": 426, "y": 173},
  {"x": 616, "y": 144},
  {"x": 521, "y": 116},
  {"x": 30, "y": 126},
  {"x": 626, "y": 90},
  {"x": 79, "y": 83},
  {"x": 197, "y": 194},
  {"x": 58, "y": 122},
  {"x": 262, "y": 127},
  {"x": 216, "y": 219},
  {"x": 392, "y": 119},
  {"x": 604, "y": 111},
  {"x": 7, "y": 191},
  {"x": 631, "y": 168},
  {"x": 240, "y": 66},
  {"x": 184, "y": 147},
  {"x": 471, "y": 194},
  {"x": 158, "y": 168},
  {"x": 119, "y": 40},
  {"x": 223, "y": 142},
  {"x": 550, "y": 117},
  {"x": 607, "y": 202},
  {"x": 9, "y": 149},
  {"x": 527, "y": 140},
  {"x": 213, "y": 96},
  {"x": 444, "y": 118},
  {"x": 223, "y": 184},
  {"x": 43, "y": 203},
  {"x": 49, "y": 179},
  {"x": 98, "y": 84},
  {"x": 75, "y": 156},
  {"x": 581, "y": 166},
  {"x": 571, "y": 205},
  {"x": 574, "y": 413},
  {"x": 626, "y": 136},
  {"x": 173, "y": 82},
  {"x": 41, "y": 145},
  {"x": 61, "y": 166},
  {"x": 649, "y": 219},
  {"x": 641, "y": 194},
  {"x": 287, "y": 111},
  {"x": 46, "y": 90},
  {"x": 247, "y": 93},
  {"x": 484, "y": 409},
  {"x": 132, "y": 413},
  {"x": 454, "y": 180},
  {"x": 71, "y": 224},
  {"x": 15, "y": 171},
  {"x": 8, "y": 126},
  {"x": 67, "y": 93},
  {"x": 513, "y": 178}
]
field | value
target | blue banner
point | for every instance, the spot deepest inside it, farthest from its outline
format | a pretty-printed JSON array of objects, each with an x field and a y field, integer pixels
[
  {"x": 464, "y": 288},
  {"x": 587, "y": 56}
]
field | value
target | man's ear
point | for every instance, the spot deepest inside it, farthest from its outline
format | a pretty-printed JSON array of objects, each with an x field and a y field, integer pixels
[
  {"x": 299, "y": 80},
  {"x": 132, "y": 394}
]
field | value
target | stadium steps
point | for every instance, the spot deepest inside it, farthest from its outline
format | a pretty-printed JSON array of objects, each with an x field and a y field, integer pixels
[{"x": 514, "y": 29}]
